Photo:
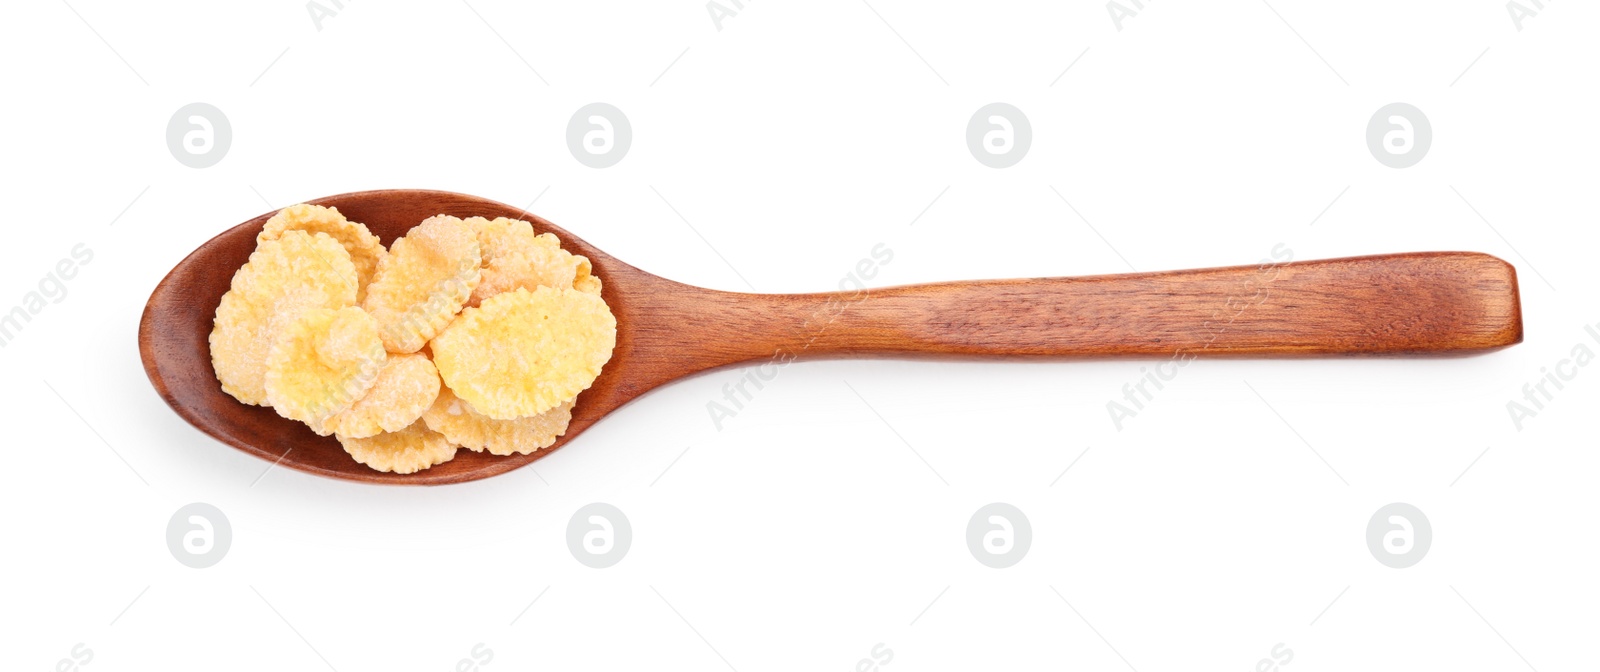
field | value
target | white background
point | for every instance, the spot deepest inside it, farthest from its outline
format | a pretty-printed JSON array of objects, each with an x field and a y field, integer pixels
[{"x": 805, "y": 532}]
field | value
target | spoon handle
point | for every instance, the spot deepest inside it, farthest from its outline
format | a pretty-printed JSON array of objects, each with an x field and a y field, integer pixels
[{"x": 1397, "y": 304}]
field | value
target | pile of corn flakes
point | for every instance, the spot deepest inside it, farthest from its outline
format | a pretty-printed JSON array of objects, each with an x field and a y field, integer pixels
[{"x": 465, "y": 333}]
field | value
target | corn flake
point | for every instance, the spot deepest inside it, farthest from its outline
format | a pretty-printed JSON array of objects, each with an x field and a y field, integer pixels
[
  {"x": 586, "y": 281},
  {"x": 365, "y": 249},
  {"x": 423, "y": 282},
  {"x": 407, "y": 386},
  {"x": 284, "y": 277},
  {"x": 513, "y": 256},
  {"x": 407, "y": 451},
  {"x": 322, "y": 363},
  {"x": 523, "y": 353},
  {"x": 466, "y": 427}
]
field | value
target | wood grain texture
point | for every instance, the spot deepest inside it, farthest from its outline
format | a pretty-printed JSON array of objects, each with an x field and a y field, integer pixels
[{"x": 1431, "y": 303}]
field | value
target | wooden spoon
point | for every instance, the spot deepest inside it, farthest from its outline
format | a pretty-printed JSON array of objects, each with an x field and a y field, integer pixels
[{"x": 1399, "y": 304}]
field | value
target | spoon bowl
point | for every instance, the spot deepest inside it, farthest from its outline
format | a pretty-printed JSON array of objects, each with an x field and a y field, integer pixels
[
  {"x": 177, "y": 321},
  {"x": 1425, "y": 303}
]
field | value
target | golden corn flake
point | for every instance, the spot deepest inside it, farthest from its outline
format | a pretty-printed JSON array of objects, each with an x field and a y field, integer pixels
[
  {"x": 407, "y": 386},
  {"x": 296, "y": 272},
  {"x": 466, "y": 427},
  {"x": 322, "y": 363},
  {"x": 523, "y": 353},
  {"x": 501, "y": 236},
  {"x": 407, "y": 377},
  {"x": 407, "y": 451},
  {"x": 513, "y": 256},
  {"x": 423, "y": 282},
  {"x": 586, "y": 282},
  {"x": 365, "y": 249}
]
